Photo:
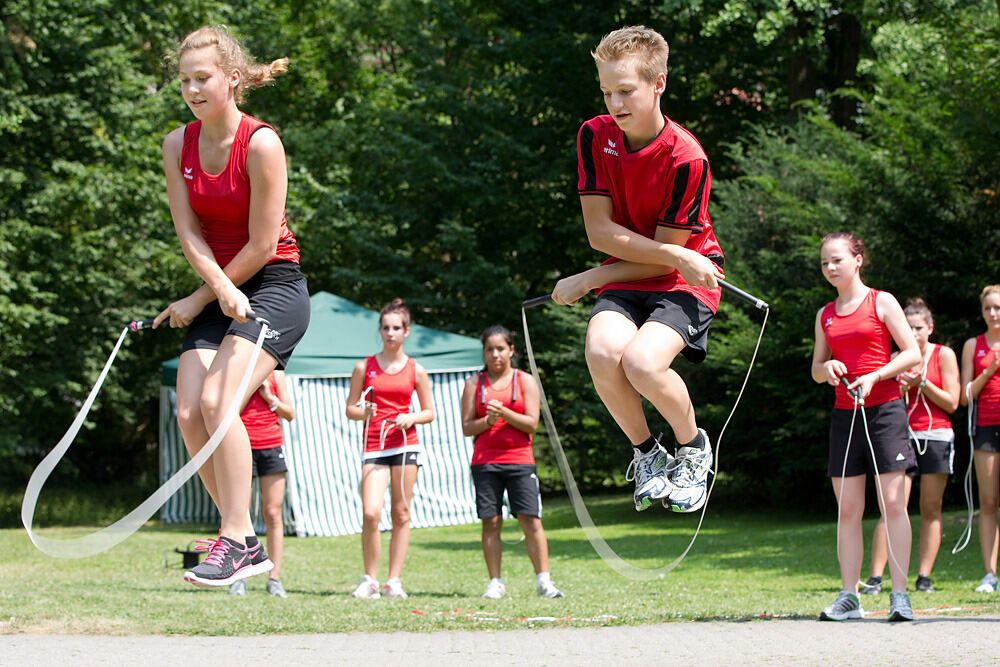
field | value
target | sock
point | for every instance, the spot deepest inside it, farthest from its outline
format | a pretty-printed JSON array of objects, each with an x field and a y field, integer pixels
[
  {"x": 542, "y": 577},
  {"x": 252, "y": 541},
  {"x": 496, "y": 579},
  {"x": 646, "y": 446},
  {"x": 698, "y": 442}
]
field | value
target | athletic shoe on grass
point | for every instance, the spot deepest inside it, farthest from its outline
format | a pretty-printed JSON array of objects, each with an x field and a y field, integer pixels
[
  {"x": 495, "y": 590},
  {"x": 367, "y": 589},
  {"x": 275, "y": 589},
  {"x": 238, "y": 588},
  {"x": 924, "y": 584},
  {"x": 988, "y": 584},
  {"x": 847, "y": 605},
  {"x": 547, "y": 589},
  {"x": 650, "y": 472},
  {"x": 871, "y": 587},
  {"x": 394, "y": 589},
  {"x": 690, "y": 474},
  {"x": 899, "y": 607},
  {"x": 227, "y": 562}
]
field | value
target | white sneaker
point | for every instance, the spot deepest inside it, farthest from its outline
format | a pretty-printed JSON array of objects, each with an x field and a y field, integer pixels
[
  {"x": 495, "y": 590},
  {"x": 691, "y": 468},
  {"x": 651, "y": 475},
  {"x": 367, "y": 589},
  {"x": 547, "y": 589},
  {"x": 988, "y": 584},
  {"x": 394, "y": 589}
]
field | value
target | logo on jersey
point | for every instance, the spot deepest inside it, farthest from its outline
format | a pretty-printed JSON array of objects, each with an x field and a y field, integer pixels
[
  {"x": 187, "y": 173},
  {"x": 828, "y": 322},
  {"x": 372, "y": 374},
  {"x": 980, "y": 353},
  {"x": 610, "y": 148}
]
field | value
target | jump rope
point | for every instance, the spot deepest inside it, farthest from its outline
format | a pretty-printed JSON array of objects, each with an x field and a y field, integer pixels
[
  {"x": 102, "y": 540},
  {"x": 604, "y": 550},
  {"x": 385, "y": 428}
]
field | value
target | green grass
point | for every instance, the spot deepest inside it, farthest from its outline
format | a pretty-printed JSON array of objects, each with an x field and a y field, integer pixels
[{"x": 744, "y": 565}]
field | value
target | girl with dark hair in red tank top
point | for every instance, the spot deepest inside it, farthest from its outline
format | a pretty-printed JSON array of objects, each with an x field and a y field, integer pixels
[
  {"x": 854, "y": 334},
  {"x": 226, "y": 185},
  {"x": 382, "y": 388}
]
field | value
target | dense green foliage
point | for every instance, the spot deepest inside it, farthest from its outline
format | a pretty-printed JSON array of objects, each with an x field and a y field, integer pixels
[{"x": 432, "y": 156}]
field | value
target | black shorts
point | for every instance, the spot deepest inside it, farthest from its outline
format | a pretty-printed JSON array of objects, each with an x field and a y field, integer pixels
[
  {"x": 279, "y": 294},
  {"x": 268, "y": 461},
  {"x": 938, "y": 457},
  {"x": 403, "y": 458},
  {"x": 680, "y": 311},
  {"x": 889, "y": 435},
  {"x": 987, "y": 438},
  {"x": 518, "y": 479}
]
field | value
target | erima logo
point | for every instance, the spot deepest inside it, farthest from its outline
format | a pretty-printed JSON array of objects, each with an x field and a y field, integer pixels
[
  {"x": 611, "y": 143},
  {"x": 272, "y": 333},
  {"x": 187, "y": 173},
  {"x": 981, "y": 353},
  {"x": 372, "y": 374},
  {"x": 692, "y": 330},
  {"x": 828, "y": 322},
  {"x": 610, "y": 148}
]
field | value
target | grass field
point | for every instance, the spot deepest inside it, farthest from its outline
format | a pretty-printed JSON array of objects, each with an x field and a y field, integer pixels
[{"x": 744, "y": 565}]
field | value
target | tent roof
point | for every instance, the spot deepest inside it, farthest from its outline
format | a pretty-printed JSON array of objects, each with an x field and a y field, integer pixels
[{"x": 341, "y": 332}]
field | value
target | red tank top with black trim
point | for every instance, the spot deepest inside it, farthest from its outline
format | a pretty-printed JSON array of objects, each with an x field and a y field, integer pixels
[
  {"x": 392, "y": 394},
  {"x": 925, "y": 414},
  {"x": 263, "y": 425},
  {"x": 222, "y": 201},
  {"x": 862, "y": 342},
  {"x": 988, "y": 401},
  {"x": 501, "y": 443}
]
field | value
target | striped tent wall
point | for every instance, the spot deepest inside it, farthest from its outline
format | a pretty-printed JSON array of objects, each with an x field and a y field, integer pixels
[{"x": 323, "y": 450}]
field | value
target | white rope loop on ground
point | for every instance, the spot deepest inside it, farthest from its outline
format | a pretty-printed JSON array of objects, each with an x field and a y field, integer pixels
[
  {"x": 603, "y": 549},
  {"x": 104, "y": 539}
]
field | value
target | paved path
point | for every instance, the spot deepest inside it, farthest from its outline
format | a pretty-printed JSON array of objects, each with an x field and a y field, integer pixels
[{"x": 935, "y": 640}]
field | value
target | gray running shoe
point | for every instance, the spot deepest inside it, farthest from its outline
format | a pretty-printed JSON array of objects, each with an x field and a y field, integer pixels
[
  {"x": 988, "y": 584},
  {"x": 547, "y": 589},
  {"x": 871, "y": 587},
  {"x": 275, "y": 588},
  {"x": 924, "y": 584},
  {"x": 847, "y": 605},
  {"x": 650, "y": 472},
  {"x": 689, "y": 477},
  {"x": 899, "y": 607},
  {"x": 238, "y": 588}
]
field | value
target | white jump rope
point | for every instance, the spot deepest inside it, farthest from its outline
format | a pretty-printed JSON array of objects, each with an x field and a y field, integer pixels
[
  {"x": 385, "y": 428},
  {"x": 104, "y": 539},
  {"x": 604, "y": 550}
]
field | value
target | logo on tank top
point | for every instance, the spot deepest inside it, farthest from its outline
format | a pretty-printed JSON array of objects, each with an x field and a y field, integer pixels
[
  {"x": 980, "y": 353},
  {"x": 187, "y": 173},
  {"x": 372, "y": 374},
  {"x": 828, "y": 322}
]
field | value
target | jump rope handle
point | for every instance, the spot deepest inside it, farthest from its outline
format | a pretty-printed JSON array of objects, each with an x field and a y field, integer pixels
[
  {"x": 137, "y": 325},
  {"x": 537, "y": 301},
  {"x": 847, "y": 385},
  {"x": 746, "y": 296}
]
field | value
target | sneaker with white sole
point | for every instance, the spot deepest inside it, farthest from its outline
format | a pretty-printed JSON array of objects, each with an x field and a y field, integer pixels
[
  {"x": 899, "y": 607},
  {"x": 924, "y": 584},
  {"x": 547, "y": 589},
  {"x": 988, "y": 584},
  {"x": 871, "y": 587},
  {"x": 689, "y": 478},
  {"x": 495, "y": 590},
  {"x": 847, "y": 605},
  {"x": 367, "y": 589},
  {"x": 275, "y": 589},
  {"x": 394, "y": 589},
  {"x": 239, "y": 588},
  {"x": 227, "y": 562},
  {"x": 650, "y": 472}
]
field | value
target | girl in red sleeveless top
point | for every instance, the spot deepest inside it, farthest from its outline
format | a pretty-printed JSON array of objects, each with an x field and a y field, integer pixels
[
  {"x": 853, "y": 338},
  {"x": 226, "y": 185},
  {"x": 500, "y": 411},
  {"x": 980, "y": 360},
  {"x": 930, "y": 390},
  {"x": 381, "y": 392}
]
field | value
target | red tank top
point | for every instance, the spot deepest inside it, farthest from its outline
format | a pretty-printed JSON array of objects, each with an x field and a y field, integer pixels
[
  {"x": 501, "y": 443},
  {"x": 918, "y": 406},
  {"x": 988, "y": 401},
  {"x": 392, "y": 394},
  {"x": 862, "y": 342},
  {"x": 222, "y": 201},
  {"x": 262, "y": 425}
]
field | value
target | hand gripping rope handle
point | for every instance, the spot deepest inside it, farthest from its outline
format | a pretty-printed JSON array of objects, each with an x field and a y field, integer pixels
[
  {"x": 603, "y": 549},
  {"x": 104, "y": 539},
  {"x": 746, "y": 296}
]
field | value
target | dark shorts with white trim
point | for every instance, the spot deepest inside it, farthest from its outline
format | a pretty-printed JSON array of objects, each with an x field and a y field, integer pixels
[
  {"x": 270, "y": 461},
  {"x": 889, "y": 436},
  {"x": 401, "y": 459},
  {"x": 518, "y": 479},
  {"x": 938, "y": 457},
  {"x": 279, "y": 294},
  {"x": 680, "y": 311}
]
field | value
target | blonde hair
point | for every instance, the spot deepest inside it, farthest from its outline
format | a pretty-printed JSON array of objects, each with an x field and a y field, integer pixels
[
  {"x": 989, "y": 289},
  {"x": 231, "y": 56},
  {"x": 645, "y": 45}
]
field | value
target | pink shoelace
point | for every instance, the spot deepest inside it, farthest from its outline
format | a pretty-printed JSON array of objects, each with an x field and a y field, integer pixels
[{"x": 217, "y": 552}]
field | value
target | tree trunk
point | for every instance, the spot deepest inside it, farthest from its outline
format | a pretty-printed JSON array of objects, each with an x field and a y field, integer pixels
[{"x": 843, "y": 40}]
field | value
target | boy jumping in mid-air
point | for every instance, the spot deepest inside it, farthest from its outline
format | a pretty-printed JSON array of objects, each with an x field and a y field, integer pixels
[{"x": 644, "y": 183}]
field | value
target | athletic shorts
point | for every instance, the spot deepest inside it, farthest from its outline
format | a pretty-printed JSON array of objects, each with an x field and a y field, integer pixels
[
  {"x": 680, "y": 311},
  {"x": 268, "y": 461},
  {"x": 403, "y": 458},
  {"x": 279, "y": 294},
  {"x": 938, "y": 457},
  {"x": 987, "y": 438},
  {"x": 889, "y": 435},
  {"x": 518, "y": 479}
]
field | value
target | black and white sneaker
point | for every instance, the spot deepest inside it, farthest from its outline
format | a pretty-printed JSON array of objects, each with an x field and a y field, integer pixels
[
  {"x": 871, "y": 587},
  {"x": 924, "y": 584}
]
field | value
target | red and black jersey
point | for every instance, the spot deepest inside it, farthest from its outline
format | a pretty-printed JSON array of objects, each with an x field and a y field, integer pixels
[
  {"x": 222, "y": 201},
  {"x": 665, "y": 183}
]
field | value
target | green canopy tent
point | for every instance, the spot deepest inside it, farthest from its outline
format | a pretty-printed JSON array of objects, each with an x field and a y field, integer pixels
[{"x": 323, "y": 447}]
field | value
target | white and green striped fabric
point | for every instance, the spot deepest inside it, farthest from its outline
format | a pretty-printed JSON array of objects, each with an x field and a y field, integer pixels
[{"x": 323, "y": 449}]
